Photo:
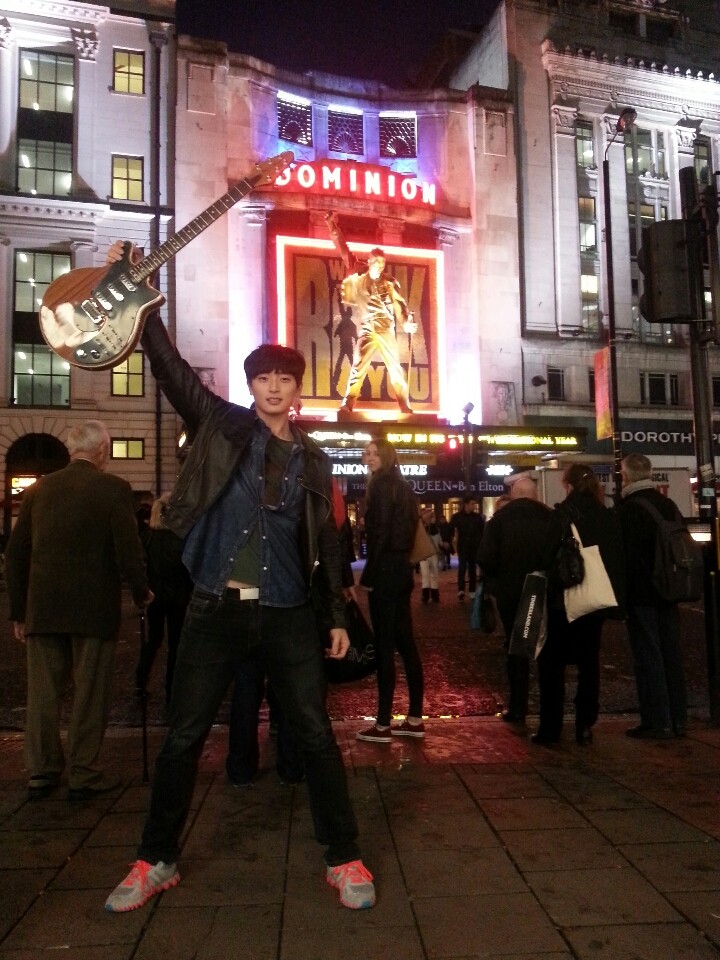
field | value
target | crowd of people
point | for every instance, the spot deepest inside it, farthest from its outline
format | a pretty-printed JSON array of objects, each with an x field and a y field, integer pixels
[{"x": 243, "y": 560}]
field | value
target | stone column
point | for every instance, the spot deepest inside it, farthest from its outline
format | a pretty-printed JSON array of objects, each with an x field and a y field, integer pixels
[
  {"x": 8, "y": 107},
  {"x": 86, "y": 385},
  {"x": 86, "y": 48},
  {"x": 620, "y": 231},
  {"x": 247, "y": 304},
  {"x": 318, "y": 225},
  {"x": 7, "y": 254},
  {"x": 566, "y": 220},
  {"x": 685, "y": 145}
]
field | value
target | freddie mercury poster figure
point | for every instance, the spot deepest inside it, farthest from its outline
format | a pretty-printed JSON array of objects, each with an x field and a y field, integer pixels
[{"x": 377, "y": 296}]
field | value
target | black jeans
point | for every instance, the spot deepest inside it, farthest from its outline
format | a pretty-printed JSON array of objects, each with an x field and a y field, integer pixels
[
  {"x": 577, "y": 642},
  {"x": 218, "y": 634},
  {"x": 392, "y": 626},
  {"x": 243, "y": 756},
  {"x": 158, "y": 613},
  {"x": 655, "y": 640},
  {"x": 518, "y": 672},
  {"x": 466, "y": 561}
]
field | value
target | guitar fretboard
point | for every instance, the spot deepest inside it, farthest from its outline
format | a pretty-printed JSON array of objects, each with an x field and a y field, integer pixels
[{"x": 166, "y": 251}]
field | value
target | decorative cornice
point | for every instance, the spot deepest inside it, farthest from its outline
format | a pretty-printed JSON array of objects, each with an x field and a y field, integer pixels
[
  {"x": 578, "y": 76},
  {"x": 446, "y": 236},
  {"x": 564, "y": 120},
  {"x": 54, "y": 10},
  {"x": 21, "y": 210},
  {"x": 254, "y": 214},
  {"x": 5, "y": 33},
  {"x": 86, "y": 43}
]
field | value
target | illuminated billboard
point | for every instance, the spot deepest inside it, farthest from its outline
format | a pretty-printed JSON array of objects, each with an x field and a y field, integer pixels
[{"x": 313, "y": 319}]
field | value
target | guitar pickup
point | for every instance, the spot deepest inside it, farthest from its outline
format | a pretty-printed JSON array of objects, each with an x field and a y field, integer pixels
[
  {"x": 116, "y": 293},
  {"x": 92, "y": 312},
  {"x": 103, "y": 301},
  {"x": 128, "y": 284}
]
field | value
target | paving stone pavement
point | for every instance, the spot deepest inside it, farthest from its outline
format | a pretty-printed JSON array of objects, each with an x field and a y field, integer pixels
[{"x": 482, "y": 845}]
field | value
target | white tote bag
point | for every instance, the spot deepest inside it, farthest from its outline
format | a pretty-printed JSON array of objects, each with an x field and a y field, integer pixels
[{"x": 595, "y": 592}]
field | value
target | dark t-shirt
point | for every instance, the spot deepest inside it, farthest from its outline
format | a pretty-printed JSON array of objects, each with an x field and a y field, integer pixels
[{"x": 247, "y": 563}]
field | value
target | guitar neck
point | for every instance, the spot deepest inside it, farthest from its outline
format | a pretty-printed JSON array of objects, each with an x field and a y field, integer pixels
[{"x": 166, "y": 251}]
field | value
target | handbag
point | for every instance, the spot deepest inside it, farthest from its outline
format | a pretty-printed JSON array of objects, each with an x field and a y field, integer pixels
[
  {"x": 422, "y": 547},
  {"x": 530, "y": 626},
  {"x": 359, "y": 662},
  {"x": 595, "y": 592},
  {"x": 569, "y": 561},
  {"x": 482, "y": 615}
]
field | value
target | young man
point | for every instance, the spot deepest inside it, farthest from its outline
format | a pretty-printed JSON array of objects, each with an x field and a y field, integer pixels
[
  {"x": 469, "y": 526},
  {"x": 254, "y": 502}
]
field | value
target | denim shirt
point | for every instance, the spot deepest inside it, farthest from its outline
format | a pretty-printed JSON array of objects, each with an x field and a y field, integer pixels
[{"x": 213, "y": 543}]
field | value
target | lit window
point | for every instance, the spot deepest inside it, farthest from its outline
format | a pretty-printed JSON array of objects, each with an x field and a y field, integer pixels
[
  {"x": 398, "y": 135},
  {"x": 127, "y": 178},
  {"x": 127, "y": 377},
  {"x": 584, "y": 144},
  {"x": 345, "y": 132},
  {"x": 588, "y": 234},
  {"x": 46, "y": 82},
  {"x": 294, "y": 119},
  {"x": 556, "y": 383},
  {"x": 702, "y": 162},
  {"x": 44, "y": 168},
  {"x": 128, "y": 72},
  {"x": 589, "y": 290},
  {"x": 128, "y": 449}
]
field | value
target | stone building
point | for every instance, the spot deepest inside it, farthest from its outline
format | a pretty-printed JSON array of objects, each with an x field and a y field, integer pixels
[{"x": 85, "y": 93}]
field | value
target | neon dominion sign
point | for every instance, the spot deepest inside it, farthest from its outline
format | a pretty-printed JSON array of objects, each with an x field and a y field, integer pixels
[{"x": 344, "y": 178}]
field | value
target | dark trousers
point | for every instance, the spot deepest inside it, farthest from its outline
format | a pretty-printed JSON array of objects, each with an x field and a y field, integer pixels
[
  {"x": 243, "y": 756},
  {"x": 577, "y": 642},
  {"x": 466, "y": 562},
  {"x": 655, "y": 640},
  {"x": 158, "y": 613},
  {"x": 518, "y": 672},
  {"x": 392, "y": 625},
  {"x": 220, "y": 633}
]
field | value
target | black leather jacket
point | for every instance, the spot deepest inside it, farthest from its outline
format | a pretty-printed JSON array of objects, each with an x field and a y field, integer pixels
[{"x": 220, "y": 431}]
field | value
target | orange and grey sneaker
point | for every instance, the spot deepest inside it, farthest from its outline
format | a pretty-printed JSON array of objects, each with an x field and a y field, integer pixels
[
  {"x": 354, "y": 881},
  {"x": 143, "y": 882},
  {"x": 407, "y": 729}
]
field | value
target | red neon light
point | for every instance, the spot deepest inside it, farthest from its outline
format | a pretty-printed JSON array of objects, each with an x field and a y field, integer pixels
[{"x": 347, "y": 178}]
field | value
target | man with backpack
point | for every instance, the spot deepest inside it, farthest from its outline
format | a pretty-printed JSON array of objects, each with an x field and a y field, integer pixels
[{"x": 664, "y": 567}]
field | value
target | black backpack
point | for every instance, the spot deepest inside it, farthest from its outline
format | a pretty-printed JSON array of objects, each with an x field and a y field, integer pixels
[{"x": 678, "y": 575}]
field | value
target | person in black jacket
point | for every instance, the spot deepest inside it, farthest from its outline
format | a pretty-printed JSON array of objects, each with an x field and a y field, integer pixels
[
  {"x": 577, "y": 642},
  {"x": 469, "y": 527},
  {"x": 391, "y": 519},
  {"x": 513, "y": 545},
  {"x": 653, "y": 624},
  {"x": 172, "y": 586},
  {"x": 253, "y": 502}
]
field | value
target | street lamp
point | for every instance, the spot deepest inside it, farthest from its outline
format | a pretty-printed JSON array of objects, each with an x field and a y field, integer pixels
[{"x": 624, "y": 122}]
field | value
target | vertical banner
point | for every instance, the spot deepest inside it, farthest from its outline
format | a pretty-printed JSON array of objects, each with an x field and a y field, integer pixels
[
  {"x": 603, "y": 418},
  {"x": 313, "y": 319}
]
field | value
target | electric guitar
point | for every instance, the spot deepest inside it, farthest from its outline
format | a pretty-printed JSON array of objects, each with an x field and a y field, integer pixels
[{"x": 93, "y": 317}]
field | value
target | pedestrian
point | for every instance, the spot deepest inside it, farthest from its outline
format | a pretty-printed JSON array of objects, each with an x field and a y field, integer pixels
[
  {"x": 514, "y": 544},
  {"x": 391, "y": 518},
  {"x": 429, "y": 566},
  {"x": 468, "y": 525},
  {"x": 253, "y": 501},
  {"x": 577, "y": 642},
  {"x": 75, "y": 539},
  {"x": 171, "y": 584},
  {"x": 653, "y": 624},
  {"x": 446, "y": 545}
]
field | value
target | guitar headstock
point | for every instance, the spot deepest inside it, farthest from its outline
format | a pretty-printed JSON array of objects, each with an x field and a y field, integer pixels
[{"x": 267, "y": 171}]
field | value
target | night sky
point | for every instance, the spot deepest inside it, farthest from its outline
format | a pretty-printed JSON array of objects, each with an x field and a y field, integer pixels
[{"x": 384, "y": 40}]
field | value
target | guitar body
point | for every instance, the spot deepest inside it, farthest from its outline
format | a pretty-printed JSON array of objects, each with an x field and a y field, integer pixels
[{"x": 93, "y": 317}]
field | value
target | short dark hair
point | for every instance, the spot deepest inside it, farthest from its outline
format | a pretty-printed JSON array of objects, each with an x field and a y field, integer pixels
[
  {"x": 377, "y": 252},
  {"x": 271, "y": 358}
]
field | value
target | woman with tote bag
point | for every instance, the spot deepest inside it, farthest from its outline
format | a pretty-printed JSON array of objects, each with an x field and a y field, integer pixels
[
  {"x": 391, "y": 524},
  {"x": 581, "y": 527}
]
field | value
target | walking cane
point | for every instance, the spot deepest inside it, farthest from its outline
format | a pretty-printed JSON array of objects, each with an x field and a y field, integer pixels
[{"x": 143, "y": 701}]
